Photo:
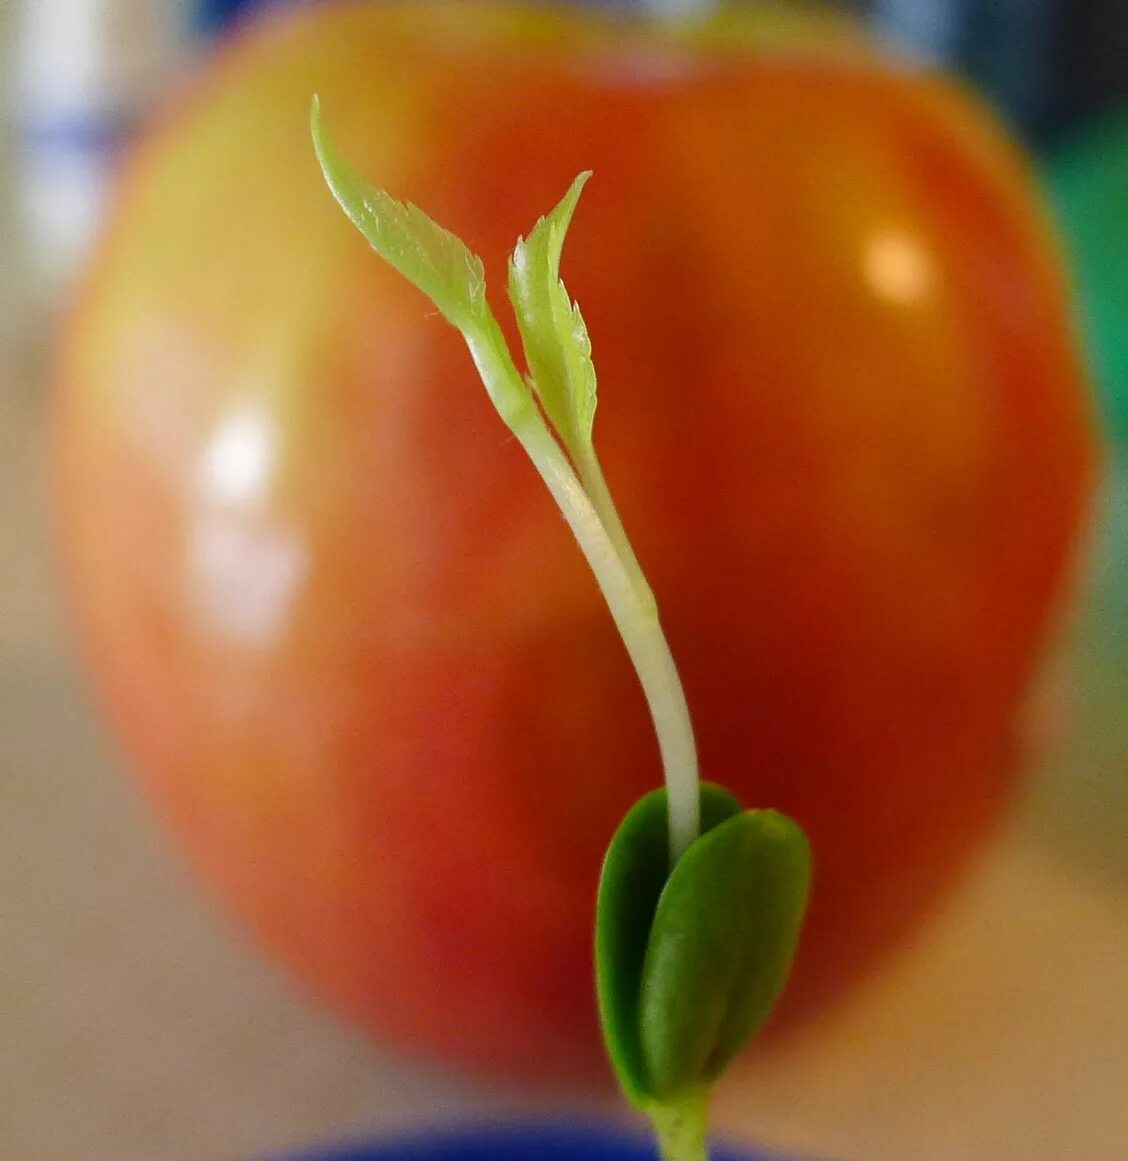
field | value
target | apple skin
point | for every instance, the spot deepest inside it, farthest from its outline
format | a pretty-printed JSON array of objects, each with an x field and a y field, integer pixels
[{"x": 345, "y": 639}]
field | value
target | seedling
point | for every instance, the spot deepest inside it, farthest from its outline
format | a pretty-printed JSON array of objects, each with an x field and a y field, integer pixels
[{"x": 700, "y": 901}]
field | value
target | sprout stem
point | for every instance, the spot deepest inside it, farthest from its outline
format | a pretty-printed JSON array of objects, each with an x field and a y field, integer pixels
[
  {"x": 631, "y": 606},
  {"x": 595, "y": 484},
  {"x": 681, "y": 1127}
]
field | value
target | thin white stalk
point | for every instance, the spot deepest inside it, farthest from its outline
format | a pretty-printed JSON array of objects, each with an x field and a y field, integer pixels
[
  {"x": 595, "y": 484},
  {"x": 642, "y": 635},
  {"x": 635, "y": 617}
]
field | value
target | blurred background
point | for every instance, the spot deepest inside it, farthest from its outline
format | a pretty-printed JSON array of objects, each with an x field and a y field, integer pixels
[{"x": 136, "y": 1025}]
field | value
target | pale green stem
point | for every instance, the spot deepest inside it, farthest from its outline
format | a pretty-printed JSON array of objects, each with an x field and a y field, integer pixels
[
  {"x": 681, "y": 1127},
  {"x": 591, "y": 473},
  {"x": 636, "y": 620}
]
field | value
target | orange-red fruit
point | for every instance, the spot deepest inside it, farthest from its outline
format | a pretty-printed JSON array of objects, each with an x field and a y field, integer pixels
[{"x": 345, "y": 638}]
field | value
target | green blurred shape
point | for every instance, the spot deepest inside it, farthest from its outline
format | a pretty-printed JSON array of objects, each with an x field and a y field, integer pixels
[{"x": 1088, "y": 184}]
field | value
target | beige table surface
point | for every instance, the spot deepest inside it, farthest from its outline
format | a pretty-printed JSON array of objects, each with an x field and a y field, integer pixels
[{"x": 134, "y": 1026}]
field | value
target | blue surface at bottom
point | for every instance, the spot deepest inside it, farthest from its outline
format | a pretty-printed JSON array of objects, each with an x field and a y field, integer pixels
[{"x": 519, "y": 1142}]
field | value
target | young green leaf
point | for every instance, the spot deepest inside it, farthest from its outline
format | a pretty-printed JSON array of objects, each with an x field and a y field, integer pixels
[
  {"x": 558, "y": 352},
  {"x": 553, "y": 333},
  {"x": 441, "y": 266},
  {"x": 635, "y": 870},
  {"x": 432, "y": 258},
  {"x": 720, "y": 948}
]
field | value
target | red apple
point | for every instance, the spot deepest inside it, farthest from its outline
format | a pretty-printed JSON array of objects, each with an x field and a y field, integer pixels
[{"x": 345, "y": 638}]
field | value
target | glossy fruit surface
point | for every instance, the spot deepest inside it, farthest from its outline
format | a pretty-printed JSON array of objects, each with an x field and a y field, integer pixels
[{"x": 344, "y": 636}]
